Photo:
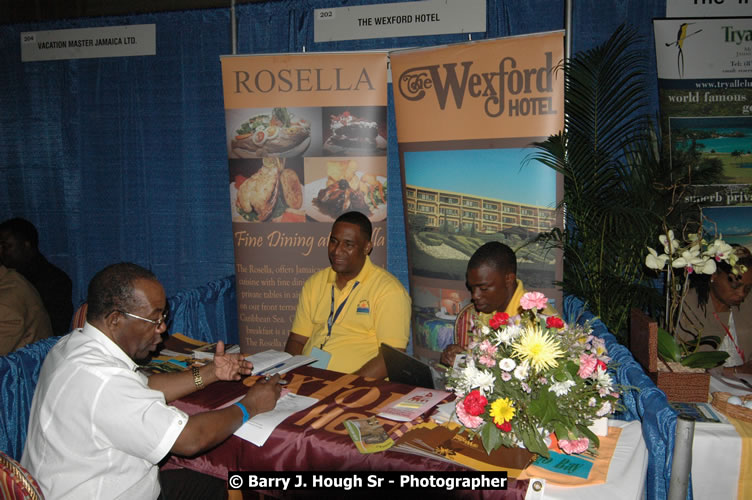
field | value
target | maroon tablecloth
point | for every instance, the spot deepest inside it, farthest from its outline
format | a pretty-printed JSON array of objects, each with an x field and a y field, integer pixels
[{"x": 315, "y": 439}]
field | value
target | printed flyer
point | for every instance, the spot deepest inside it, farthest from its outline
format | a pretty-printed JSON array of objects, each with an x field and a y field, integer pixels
[
  {"x": 306, "y": 142},
  {"x": 467, "y": 117}
]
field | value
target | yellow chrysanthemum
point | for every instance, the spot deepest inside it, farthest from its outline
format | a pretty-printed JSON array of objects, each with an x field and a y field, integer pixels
[
  {"x": 537, "y": 348},
  {"x": 502, "y": 410}
]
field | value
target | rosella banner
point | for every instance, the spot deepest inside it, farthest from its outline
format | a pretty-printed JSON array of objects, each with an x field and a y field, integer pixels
[
  {"x": 306, "y": 142},
  {"x": 705, "y": 91},
  {"x": 467, "y": 116}
]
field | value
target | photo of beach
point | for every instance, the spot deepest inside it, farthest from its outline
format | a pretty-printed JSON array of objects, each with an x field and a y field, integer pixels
[{"x": 724, "y": 145}]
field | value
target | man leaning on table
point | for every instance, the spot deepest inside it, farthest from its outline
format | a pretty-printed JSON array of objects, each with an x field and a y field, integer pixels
[
  {"x": 346, "y": 311},
  {"x": 99, "y": 427},
  {"x": 491, "y": 278}
]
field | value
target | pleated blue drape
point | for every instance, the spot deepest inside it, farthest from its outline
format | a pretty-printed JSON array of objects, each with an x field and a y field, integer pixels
[{"x": 124, "y": 158}]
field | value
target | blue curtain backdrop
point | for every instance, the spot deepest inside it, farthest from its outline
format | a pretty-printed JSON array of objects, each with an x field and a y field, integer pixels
[{"x": 124, "y": 158}]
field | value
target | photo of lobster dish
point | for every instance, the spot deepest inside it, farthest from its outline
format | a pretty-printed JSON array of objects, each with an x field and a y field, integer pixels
[
  {"x": 350, "y": 135},
  {"x": 278, "y": 133},
  {"x": 344, "y": 189},
  {"x": 273, "y": 193}
]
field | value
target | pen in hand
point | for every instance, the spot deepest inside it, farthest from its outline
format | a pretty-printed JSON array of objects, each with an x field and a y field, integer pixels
[{"x": 267, "y": 370}]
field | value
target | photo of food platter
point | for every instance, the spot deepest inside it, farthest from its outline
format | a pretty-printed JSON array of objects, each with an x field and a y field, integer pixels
[
  {"x": 354, "y": 131},
  {"x": 342, "y": 186},
  {"x": 276, "y": 132},
  {"x": 272, "y": 193}
]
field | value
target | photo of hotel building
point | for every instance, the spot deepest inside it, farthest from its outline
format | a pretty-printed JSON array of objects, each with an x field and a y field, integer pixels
[{"x": 488, "y": 215}]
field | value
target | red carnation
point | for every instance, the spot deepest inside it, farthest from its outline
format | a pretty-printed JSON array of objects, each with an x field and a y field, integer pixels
[
  {"x": 505, "y": 427},
  {"x": 498, "y": 320},
  {"x": 601, "y": 365},
  {"x": 554, "y": 322},
  {"x": 475, "y": 403}
]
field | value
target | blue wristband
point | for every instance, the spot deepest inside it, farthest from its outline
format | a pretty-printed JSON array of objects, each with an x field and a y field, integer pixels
[{"x": 246, "y": 415}]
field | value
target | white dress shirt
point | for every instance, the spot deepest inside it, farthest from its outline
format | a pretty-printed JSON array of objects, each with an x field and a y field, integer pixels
[{"x": 96, "y": 429}]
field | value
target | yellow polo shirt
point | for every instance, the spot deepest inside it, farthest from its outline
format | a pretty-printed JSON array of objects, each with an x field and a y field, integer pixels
[{"x": 375, "y": 311}]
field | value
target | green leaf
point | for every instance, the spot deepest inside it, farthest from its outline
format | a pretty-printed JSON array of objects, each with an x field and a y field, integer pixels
[
  {"x": 667, "y": 346},
  {"x": 533, "y": 441},
  {"x": 706, "y": 360},
  {"x": 490, "y": 435},
  {"x": 544, "y": 407}
]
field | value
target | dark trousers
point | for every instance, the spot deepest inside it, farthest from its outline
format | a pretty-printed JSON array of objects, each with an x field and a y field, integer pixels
[{"x": 185, "y": 484}]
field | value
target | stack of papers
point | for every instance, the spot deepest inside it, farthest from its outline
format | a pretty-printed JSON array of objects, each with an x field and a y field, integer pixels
[
  {"x": 413, "y": 404},
  {"x": 271, "y": 362}
]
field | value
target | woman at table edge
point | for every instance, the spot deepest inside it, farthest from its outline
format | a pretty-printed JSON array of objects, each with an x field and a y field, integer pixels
[{"x": 715, "y": 305}]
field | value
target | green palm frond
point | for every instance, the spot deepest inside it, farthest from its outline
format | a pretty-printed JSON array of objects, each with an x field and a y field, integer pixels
[{"x": 608, "y": 158}]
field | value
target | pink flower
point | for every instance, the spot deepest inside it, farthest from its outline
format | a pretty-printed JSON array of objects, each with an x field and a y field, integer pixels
[
  {"x": 475, "y": 403},
  {"x": 588, "y": 362},
  {"x": 574, "y": 445},
  {"x": 468, "y": 421},
  {"x": 487, "y": 361},
  {"x": 506, "y": 376},
  {"x": 488, "y": 348},
  {"x": 533, "y": 300},
  {"x": 499, "y": 319}
]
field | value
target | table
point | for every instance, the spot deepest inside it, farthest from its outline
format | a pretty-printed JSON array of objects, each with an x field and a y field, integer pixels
[
  {"x": 315, "y": 438},
  {"x": 717, "y": 453},
  {"x": 626, "y": 473}
]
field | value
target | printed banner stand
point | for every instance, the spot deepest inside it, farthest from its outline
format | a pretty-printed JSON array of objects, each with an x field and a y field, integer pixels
[
  {"x": 467, "y": 116},
  {"x": 304, "y": 133}
]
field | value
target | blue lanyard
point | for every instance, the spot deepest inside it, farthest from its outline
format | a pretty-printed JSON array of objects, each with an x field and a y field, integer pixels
[{"x": 334, "y": 315}]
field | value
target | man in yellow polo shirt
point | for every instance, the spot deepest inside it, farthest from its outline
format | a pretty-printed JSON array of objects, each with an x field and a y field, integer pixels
[
  {"x": 492, "y": 280},
  {"x": 346, "y": 311}
]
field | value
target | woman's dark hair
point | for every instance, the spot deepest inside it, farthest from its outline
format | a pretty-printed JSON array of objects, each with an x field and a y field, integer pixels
[{"x": 701, "y": 282}]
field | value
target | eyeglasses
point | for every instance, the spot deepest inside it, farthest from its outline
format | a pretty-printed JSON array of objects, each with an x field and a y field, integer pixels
[{"x": 156, "y": 322}]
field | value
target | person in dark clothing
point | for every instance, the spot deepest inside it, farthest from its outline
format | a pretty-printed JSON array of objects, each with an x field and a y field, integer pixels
[{"x": 19, "y": 250}]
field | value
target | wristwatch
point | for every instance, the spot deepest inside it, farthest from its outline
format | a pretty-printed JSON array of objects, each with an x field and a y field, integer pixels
[{"x": 197, "y": 380}]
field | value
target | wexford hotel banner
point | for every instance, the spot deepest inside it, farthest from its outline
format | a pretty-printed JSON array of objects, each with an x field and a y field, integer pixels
[
  {"x": 467, "y": 116},
  {"x": 306, "y": 142}
]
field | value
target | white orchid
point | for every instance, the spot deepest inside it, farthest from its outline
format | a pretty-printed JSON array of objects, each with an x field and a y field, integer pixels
[
  {"x": 719, "y": 250},
  {"x": 708, "y": 267},
  {"x": 690, "y": 258},
  {"x": 655, "y": 261},
  {"x": 670, "y": 244}
]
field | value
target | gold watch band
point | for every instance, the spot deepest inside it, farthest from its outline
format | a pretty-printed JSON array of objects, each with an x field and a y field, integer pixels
[{"x": 197, "y": 380}]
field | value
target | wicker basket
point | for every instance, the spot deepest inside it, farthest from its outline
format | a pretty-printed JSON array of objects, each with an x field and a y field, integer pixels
[
  {"x": 680, "y": 385},
  {"x": 720, "y": 401}
]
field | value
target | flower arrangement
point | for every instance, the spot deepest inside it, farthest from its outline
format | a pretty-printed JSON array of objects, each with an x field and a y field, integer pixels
[
  {"x": 680, "y": 260},
  {"x": 528, "y": 376}
]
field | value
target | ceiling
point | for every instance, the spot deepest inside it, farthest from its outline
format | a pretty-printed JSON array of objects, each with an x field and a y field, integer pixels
[{"x": 23, "y": 11}]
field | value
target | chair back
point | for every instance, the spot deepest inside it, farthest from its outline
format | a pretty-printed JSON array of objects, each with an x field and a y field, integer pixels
[
  {"x": 19, "y": 373},
  {"x": 462, "y": 325},
  {"x": 79, "y": 317},
  {"x": 15, "y": 481}
]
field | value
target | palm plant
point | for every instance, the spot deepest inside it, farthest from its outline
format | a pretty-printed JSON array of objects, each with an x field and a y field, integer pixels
[{"x": 615, "y": 192}]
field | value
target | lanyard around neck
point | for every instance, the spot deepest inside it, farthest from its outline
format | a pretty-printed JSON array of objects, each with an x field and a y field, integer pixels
[
  {"x": 334, "y": 315},
  {"x": 731, "y": 337}
]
